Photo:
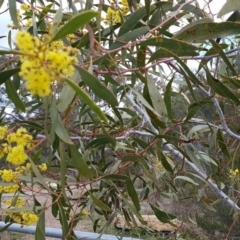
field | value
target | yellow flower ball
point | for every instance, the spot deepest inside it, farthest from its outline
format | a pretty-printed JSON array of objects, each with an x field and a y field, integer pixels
[
  {"x": 17, "y": 155},
  {"x": 8, "y": 175}
]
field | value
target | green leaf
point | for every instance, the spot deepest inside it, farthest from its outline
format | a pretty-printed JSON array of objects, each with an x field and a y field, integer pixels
[
  {"x": 115, "y": 177},
  {"x": 1, "y": 3},
  {"x": 63, "y": 220},
  {"x": 145, "y": 103},
  {"x": 167, "y": 99},
  {"x": 29, "y": 178},
  {"x": 76, "y": 22},
  {"x": 205, "y": 31},
  {"x": 39, "y": 176},
  {"x": 193, "y": 108},
  {"x": 192, "y": 76},
  {"x": 132, "y": 158},
  {"x": 147, "y": 6},
  {"x": 3, "y": 52},
  {"x": 54, "y": 208},
  {"x": 60, "y": 130},
  {"x": 192, "y": 9},
  {"x": 108, "y": 78},
  {"x": 19, "y": 209},
  {"x": 32, "y": 125},
  {"x": 78, "y": 162},
  {"x": 56, "y": 20},
  {"x": 229, "y": 6},
  {"x": 218, "y": 87},
  {"x": 156, "y": 98},
  {"x": 63, "y": 169},
  {"x": 189, "y": 84},
  {"x": 133, "y": 194},
  {"x": 232, "y": 80},
  {"x": 187, "y": 179},
  {"x": 141, "y": 56},
  {"x": 178, "y": 47},
  {"x": 132, "y": 208},
  {"x": 37, "y": 154},
  {"x": 143, "y": 144},
  {"x": 210, "y": 52},
  {"x": 168, "y": 22},
  {"x": 97, "y": 87},
  {"x": 222, "y": 145},
  {"x": 13, "y": 12},
  {"x": 223, "y": 55},
  {"x": 73, "y": 7},
  {"x": 134, "y": 19},
  {"x": 162, "y": 158},
  {"x": 204, "y": 157},
  {"x": 99, "y": 203},
  {"x": 111, "y": 139},
  {"x": 100, "y": 141},
  {"x": 86, "y": 98},
  {"x": 129, "y": 36},
  {"x": 180, "y": 52},
  {"x": 156, "y": 120},
  {"x": 162, "y": 216},
  {"x": 13, "y": 95},
  {"x": 10, "y": 39},
  {"x": 5, "y": 227},
  {"x": 5, "y": 75},
  {"x": 40, "y": 229},
  {"x": 67, "y": 94}
]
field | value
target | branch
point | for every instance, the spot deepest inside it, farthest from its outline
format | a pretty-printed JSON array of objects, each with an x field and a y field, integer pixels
[
  {"x": 164, "y": 60},
  {"x": 178, "y": 155},
  {"x": 222, "y": 117},
  {"x": 125, "y": 136}
]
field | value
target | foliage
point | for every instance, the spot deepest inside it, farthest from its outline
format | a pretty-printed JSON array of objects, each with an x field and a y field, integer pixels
[{"x": 110, "y": 108}]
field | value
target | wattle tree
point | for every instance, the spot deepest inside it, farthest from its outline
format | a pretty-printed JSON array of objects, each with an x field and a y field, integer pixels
[{"x": 117, "y": 104}]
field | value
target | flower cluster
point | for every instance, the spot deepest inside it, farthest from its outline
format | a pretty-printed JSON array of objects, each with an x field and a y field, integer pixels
[
  {"x": 115, "y": 12},
  {"x": 10, "y": 188},
  {"x": 21, "y": 217},
  {"x": 234, "y": 173},
  {"x": 14, "y": 145},
  {"x": 8, "y": 175},
  {"x": 158, "y": 166},
  {"x": 26, "y": 7},
  {"x": 42, "y": 64},
  {"x": 42, "y": 167},
  {"x": 12, "y": 149},
  {"x": 84, "y": 212},
  {"x": 113, "y": 16},
  {"x": 24, "y": 22}
]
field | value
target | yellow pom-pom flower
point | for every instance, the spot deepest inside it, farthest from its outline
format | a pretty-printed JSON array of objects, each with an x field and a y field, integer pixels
[
  {"x": 234, "y": 173},
  {"x": 17, "y": 155},
  {"x": 20, "y": 137},
  {"x": 21, "y": 217},
  {"x": 3, "y": 131},
  {"x": 8, "y": 175},
  {"x": 28, "y": 218},
  {"x": 42, "y": 167},
  {"x": 43, "y": 63},
  {"x": 19, "y": 202},
  {"x": 85, "y": 212},
  {"x": 25, "y": 7},
  {"x": 11, "y": 188}
]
